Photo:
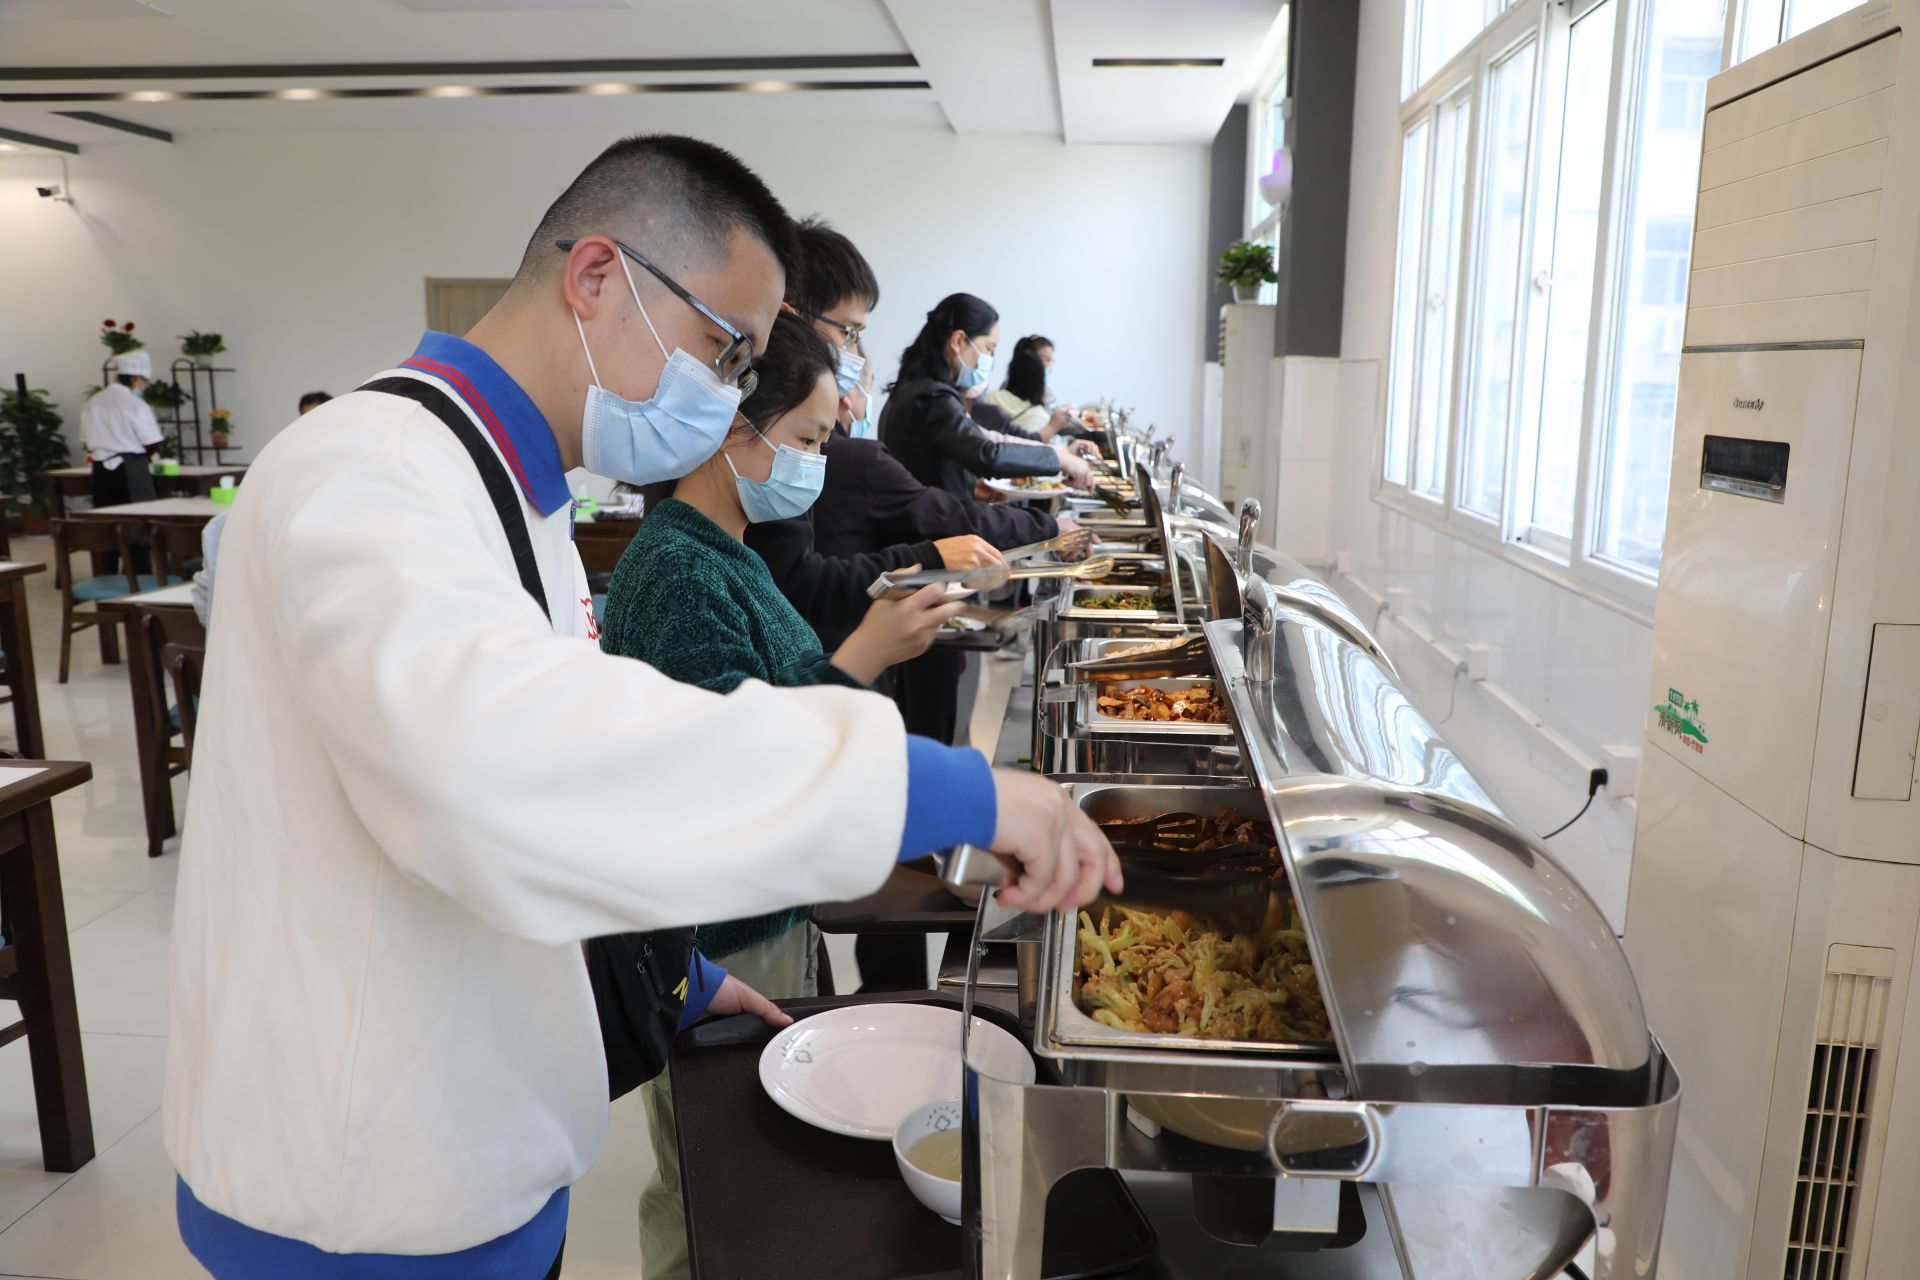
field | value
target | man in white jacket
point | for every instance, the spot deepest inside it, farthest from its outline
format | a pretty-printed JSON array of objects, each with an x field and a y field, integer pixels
[{"x": 418, "y": 783}]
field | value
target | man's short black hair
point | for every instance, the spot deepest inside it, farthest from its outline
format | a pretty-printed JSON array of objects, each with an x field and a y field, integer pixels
[
  {"x": 313, "y": 400},
  {"x": 831, "y": 271},
  {"x": 673, "y": 198}
]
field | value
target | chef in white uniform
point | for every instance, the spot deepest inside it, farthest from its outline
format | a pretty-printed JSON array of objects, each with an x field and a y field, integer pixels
[
  {"x": 119, "y": 431},
  {"x": 419, "y": 784}
]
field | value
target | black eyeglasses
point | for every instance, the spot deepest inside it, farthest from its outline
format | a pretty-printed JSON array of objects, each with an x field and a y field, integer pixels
[
  {"x": 849, "y": 333},
  {"x": 735, "y": 362}
]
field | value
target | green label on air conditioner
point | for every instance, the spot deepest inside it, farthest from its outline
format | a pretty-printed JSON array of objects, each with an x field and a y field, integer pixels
[{"x": 1680, "y": 717}]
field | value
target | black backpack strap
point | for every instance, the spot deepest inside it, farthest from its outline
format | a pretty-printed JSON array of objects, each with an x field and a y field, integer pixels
[{"x": 500, "y": 487}]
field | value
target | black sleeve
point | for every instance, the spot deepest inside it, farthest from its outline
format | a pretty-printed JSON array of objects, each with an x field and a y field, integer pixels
[
  {"x": 960, "y": 439},
  {"x": 830, "y": 592},
  {"x": 902, "y": 508}
]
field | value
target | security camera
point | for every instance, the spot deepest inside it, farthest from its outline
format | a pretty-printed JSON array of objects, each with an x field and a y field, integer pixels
[{"x": 48, "y": 193}]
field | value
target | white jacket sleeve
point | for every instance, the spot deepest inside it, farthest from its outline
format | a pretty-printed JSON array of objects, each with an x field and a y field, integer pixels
[{"x": 555, "y": 791}]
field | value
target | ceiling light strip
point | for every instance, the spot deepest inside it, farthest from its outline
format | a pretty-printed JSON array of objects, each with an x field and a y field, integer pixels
[
  {"x": 555, "y": 67},
  {"x": 1159, "y": 62},
  {"x": 463, "y": 91},
  {"x": 35, "y": 140},
  {"x": 114, "y": 122}
]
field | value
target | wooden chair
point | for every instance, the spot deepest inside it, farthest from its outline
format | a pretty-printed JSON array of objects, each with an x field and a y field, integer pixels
[
  {"x": 80, "y": 592},
  {"x": 183, "y": 664},
  {"x": 176, "y": 546},
  {"x": 166, "y": 751}
]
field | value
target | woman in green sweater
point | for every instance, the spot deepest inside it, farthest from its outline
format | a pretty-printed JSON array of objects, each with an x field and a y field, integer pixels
[{"x": 691, "y": 600}]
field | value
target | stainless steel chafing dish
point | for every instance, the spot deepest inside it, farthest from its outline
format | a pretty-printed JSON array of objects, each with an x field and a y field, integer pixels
[{"x": 1493, "y": 1100}]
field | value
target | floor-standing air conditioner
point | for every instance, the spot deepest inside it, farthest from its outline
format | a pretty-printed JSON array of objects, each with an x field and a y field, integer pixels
[
  {"x": 1776, "y": 881},
  {"x": 1248, "y": 458}
]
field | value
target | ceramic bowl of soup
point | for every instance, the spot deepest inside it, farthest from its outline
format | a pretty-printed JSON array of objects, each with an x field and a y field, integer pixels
[{"x": 926, "y": 1146}]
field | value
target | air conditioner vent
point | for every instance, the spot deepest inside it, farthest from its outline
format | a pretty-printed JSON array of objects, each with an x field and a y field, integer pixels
[{"x": 1853, "y": 1013}]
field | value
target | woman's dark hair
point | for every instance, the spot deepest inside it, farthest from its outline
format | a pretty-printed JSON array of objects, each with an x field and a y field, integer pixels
[
  {"x": 1027, "y": 377},
  {"x": 1031, "y": 343},
  {"x": 795, "y": 360},
  {"x": 926, "y": 355},
  {"x": 313, "y": 400}
]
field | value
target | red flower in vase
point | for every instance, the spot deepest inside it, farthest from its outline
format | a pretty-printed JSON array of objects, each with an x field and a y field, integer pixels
[
  {"x": 128, "y": 326},
  {"x": 106, "y": 324}
]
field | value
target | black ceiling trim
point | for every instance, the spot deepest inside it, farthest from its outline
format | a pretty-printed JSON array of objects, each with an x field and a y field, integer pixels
[
  {"x": 1156, "y": 62},
  {"x": 474, "y": 91},
  {"x": 585, "y": 66},
  {"x": 112, "y": 122},
  {"x": 35, "y": 140}
]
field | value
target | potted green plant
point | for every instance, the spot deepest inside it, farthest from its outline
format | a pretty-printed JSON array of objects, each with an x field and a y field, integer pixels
[
  {"x": 30, "y": 442},
  {"x": 220, "y": 423},
  {"x": 119, "y": 339},
  {"x": 166, "y": 400},
  {"x": 1246, "y": 266},
  {"x": 201, "y": 347}
]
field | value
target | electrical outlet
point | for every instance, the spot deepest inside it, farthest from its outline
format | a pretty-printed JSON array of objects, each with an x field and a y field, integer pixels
[
  {"x": 1480, "y": 661},
  {"x": 1623, "y": 770}
]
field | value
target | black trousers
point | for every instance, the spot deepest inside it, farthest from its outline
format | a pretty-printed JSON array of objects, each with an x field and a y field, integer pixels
[{"x": 131, "y": 481}]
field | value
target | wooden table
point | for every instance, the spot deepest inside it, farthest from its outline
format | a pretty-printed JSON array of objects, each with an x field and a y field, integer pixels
[
  {"x": 16, "y": 642},
  {"x": 77, "y": 482},
  {"x": 204, "y": 508},
  {"x": 36, "y": 968},
  {"x": 151, "y": 731}
]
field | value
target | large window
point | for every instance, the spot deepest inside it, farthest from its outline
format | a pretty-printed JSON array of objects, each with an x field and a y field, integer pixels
[
  {"x": 1541, "y": 272},
  {"x": 1681, "y": 48}
]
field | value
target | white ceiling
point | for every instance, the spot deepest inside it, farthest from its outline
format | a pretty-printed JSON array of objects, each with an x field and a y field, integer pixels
[{"x": 992, "y": 66}]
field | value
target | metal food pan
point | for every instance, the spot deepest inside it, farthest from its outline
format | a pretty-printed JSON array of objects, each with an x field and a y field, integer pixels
[
  {"x": 1071, "y": 596},
  {"x": 1061, "y": 1026},
  {"x": 1092, "y": 719}
]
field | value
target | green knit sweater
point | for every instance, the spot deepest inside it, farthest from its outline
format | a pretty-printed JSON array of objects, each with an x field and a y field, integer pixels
[{"x": 693, "y": 602}]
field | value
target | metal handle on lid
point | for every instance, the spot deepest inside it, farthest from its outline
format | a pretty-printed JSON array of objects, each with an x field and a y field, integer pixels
[
  {"x": 1249, "y": 534},
  {"x": 1173, "y": 487},
  {"x": 1258, "y": 635}
]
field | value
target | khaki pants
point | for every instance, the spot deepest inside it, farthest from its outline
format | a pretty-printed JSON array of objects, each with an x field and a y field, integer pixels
[{"x": 780, "y": 969}]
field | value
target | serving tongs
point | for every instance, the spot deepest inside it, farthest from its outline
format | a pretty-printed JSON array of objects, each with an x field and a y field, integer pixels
[
  {"x": 1093, "y": 570},
  {"x": 1004, "y": 622},
  {"x": 987, "y": 577},
  {"x": 1230, "y": 887},
  {"x": 1066, "y": 544},
  {"x": 1187, "y": 657}
]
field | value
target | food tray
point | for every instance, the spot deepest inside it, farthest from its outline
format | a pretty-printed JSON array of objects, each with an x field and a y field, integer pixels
[
  {"x": 771, "y": 1197},
  {"x": 1061, "y": 1022},
  {"x": 1092, "y": 719},
  {"x": 1069, "y": 607}
]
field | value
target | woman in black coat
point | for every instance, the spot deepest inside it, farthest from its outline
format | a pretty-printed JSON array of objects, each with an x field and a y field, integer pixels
[{"x": 926, "y": 424}]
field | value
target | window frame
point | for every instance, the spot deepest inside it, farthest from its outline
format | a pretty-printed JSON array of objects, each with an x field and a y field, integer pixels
[{"x": 1576, "y": 561}]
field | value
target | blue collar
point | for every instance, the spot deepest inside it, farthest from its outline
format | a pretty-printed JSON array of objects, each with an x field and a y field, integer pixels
[{"x": 508, "y": 414}]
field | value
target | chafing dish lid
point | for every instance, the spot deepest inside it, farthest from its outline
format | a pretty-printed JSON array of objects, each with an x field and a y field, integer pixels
[{"x": 1459, "y": 959}]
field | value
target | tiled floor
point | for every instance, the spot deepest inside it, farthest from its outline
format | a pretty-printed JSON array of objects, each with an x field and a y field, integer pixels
[{"x": 113, "y": 1220}]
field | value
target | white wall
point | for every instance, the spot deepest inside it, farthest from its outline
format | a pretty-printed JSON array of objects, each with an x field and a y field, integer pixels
[
  {"x": 1570, "y": 674},
  {"x": 308, "y": 249}
]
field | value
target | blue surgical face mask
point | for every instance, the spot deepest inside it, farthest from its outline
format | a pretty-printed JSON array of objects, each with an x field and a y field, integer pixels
[
  {"x": 789, "y": 489},
  {"x": 863, "y": 427},
  {"x": 970, "y": 378},
  {"x": 846, "y": 373},
  {"x": 665, "y": 436}
]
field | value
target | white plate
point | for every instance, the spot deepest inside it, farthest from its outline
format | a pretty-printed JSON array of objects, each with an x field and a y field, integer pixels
[
  {"x": 962, "y": 623},
  {"x": 1055, "y": 489},
  {"x": 861, "y": 1069}
]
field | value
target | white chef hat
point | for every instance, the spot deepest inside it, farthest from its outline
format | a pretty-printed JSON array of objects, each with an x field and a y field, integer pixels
[{"x": 132, "y": 364}]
